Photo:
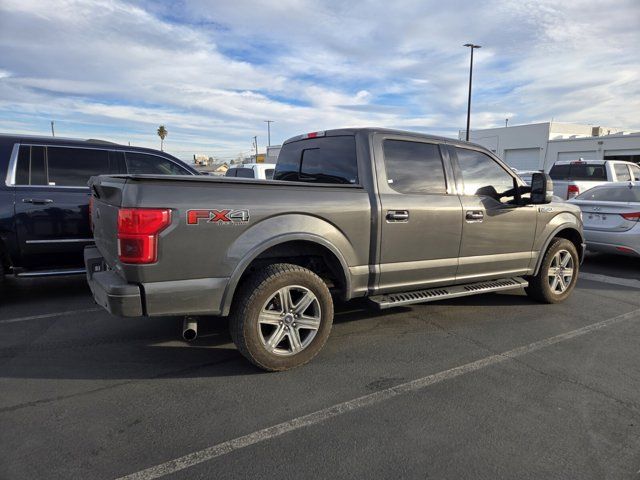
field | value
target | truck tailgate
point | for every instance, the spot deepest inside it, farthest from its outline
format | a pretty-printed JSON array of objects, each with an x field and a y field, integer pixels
[{"x": 107, "y": 198}]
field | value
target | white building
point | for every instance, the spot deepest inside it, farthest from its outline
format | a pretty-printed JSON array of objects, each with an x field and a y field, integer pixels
[
  {"x": 272, "y": 153},
  {"x": 538, "y": 146}
]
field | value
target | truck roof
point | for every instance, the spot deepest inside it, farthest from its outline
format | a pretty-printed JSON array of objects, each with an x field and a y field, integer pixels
[
  {"x": 591, "y": 162},
  {"x": 370, "y": 130}
]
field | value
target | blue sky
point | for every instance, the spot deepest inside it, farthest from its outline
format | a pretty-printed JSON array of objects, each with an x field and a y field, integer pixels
[{"x": 212, "y": 71}]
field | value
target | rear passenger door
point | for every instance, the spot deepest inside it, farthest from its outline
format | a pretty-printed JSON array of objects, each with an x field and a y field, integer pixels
[
  {"x": 421, "y": 216},
  {"x": 52, "y": 202}
]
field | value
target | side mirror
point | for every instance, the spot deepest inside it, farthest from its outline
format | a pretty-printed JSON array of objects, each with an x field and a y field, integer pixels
[{"x": 541, "y": 188}]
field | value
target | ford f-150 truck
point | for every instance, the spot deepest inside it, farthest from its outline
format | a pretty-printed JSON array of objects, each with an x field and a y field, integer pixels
[{"x": 398, "y": 217}]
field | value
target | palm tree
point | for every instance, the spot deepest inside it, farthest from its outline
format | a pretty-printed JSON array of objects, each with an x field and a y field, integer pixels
[{"x": 162, "y": 133}]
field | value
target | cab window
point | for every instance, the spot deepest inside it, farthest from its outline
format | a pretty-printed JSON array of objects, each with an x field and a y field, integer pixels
[
  {"x": 414, "y": 167},
  {"x": 483, "y": 176},
  {"x": 622, "y": 172}
]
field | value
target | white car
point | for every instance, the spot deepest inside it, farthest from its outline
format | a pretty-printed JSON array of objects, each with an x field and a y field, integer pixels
[
  {"x": 259, "y": 171},
  {"x": 611, "y": 216}
]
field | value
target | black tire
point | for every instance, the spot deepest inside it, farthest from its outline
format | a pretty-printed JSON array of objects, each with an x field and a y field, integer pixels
[
  {"x": 251, "y": 300},
  {"x": 539, "y": 288}
]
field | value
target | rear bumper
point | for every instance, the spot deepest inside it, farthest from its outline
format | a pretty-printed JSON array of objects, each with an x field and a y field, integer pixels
[
  {"x": 201, "y": 296},
  {"x": 109, "y": 290},
  {"x": 621, "y": 243}
]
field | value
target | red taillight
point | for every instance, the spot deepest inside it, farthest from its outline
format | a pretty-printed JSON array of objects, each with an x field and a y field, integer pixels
[
  {"x": 91, "y": 212},
  {"x": 138, "y": 230},
  {"x": 633, "y": 216},
  {"x": 572, "y": 191}
]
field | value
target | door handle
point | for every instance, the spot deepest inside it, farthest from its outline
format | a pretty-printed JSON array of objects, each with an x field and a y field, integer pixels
[
  {"x": 37, "y": 200},
  {"x": 474, "y": 215},
  {"x": 398, "y": 215}
]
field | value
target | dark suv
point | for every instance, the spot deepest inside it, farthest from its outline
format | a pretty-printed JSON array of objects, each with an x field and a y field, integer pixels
[{"x": 44, "y": 198}]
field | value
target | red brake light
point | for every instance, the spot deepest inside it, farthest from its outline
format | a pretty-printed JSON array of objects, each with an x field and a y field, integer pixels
[
  {"x": 633, "y": 216},
  {"x": 137, "y": 233},
  {"x": 315, "y": 134},
  {"x": 572, "y": 191}
]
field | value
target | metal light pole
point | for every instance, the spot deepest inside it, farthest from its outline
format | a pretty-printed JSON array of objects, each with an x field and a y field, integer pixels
[
  {"x": 255, "y": 144},
  {"x": 269, "y": 122},
  {"x": 472, "y": 47}
]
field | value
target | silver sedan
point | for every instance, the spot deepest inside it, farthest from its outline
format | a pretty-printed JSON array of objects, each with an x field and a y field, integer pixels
[{"x": 611, "y": 215}]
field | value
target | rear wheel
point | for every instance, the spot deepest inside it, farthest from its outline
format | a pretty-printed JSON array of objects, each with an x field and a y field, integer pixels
[
  {"x": 282, "y": 317},
  {"x": 557, "y": 275}
]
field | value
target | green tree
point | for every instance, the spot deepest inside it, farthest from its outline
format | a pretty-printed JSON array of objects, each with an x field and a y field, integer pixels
[{"x": 162, "y": 133}]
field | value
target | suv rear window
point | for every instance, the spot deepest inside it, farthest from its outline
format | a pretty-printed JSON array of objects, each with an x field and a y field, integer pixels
[
  {"x": 578, "y": 171},
  {"x": 319, "y": 160}
]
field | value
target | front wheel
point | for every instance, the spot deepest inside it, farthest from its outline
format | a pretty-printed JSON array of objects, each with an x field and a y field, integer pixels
[
  {"x": 282, "y": 317},
  {"x": 557, "y": 275}
]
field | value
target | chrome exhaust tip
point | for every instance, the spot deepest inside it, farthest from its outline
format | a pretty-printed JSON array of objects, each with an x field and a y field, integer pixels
[{"x": 190, "y": 329}]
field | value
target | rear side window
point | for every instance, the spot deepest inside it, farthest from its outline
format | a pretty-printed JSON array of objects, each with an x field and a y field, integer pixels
[
  {"x": 72, "y": 167},
  {"x": 231, "y": 172},
  {"x": 244, "y": 173},
  {"x": 622, "y": 172},
  {"x": 319, "y": 160},
  {"x": 612, "y": 194},
  {"x": 31, "y": 167},
  {"x": 635, "y": 171},
  {"x": 268, "y": 173},
  {"x": 142, "y": 163},
  {"x": 414, "y": 167}
]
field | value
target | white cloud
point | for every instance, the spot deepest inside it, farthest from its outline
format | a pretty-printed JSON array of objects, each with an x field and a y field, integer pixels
[{"x": 212, "y": 71}]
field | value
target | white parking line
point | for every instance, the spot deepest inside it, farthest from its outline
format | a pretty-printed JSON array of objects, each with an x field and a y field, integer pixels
[
  {"x": 49, "y": 315},
  {"x": 325, "y": 414},
  {"x": 596, "y": 277}
]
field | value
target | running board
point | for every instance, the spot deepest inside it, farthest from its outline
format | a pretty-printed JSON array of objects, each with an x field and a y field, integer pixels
[
  {"x": 51, "y": 273},
  {"x": 440, "y": 293}
]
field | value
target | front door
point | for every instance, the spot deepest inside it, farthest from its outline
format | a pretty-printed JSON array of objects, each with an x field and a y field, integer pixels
[
  {"x": 497, "y": 234},
  {"x": 421, "y": 217}
]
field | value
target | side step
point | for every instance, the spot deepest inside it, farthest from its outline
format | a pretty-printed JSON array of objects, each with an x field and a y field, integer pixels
[{"x": 440, "y": 293}]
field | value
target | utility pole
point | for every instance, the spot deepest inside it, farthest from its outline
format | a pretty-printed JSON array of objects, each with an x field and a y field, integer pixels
[
  {"x": 53, "y": 132},
  {"x": 472, "y": 47},
  {"x": 269, "y": 122},
  {"x": 255, "y": 144}
]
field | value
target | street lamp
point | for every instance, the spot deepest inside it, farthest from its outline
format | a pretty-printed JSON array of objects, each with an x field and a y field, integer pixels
[
  {"x": 269, "y": 122},
  {"x": 472, "y": 47}
]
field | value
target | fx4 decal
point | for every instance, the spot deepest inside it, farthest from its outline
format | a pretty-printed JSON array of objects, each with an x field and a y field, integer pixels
[{"x": 219, "y": 217}]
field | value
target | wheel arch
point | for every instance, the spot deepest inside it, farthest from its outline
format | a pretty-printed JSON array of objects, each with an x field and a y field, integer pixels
[
  {"x": 290, "y": 247},
  {"x": 567, "y": 231}
]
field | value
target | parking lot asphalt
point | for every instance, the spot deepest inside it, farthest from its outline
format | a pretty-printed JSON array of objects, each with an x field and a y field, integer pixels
[{"x": 491, "y": 386}]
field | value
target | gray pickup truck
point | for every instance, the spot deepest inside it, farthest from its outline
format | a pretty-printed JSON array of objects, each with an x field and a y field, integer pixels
[{"x": 397, "y": 217}]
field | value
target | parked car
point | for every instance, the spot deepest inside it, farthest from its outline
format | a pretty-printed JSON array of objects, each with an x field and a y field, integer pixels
[
  {"x": 570, "y": 178},
  {"x": 611, "y": 215},
  {"x": 44, "y": 199},
  {"x": 261, "y": 171},
  {"x": 398, "y": 217}
]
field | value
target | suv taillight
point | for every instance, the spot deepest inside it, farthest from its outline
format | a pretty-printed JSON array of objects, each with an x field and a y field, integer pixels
[
  {"x": 572, "y": 191},
  {"x": 138, "y": 230}
]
